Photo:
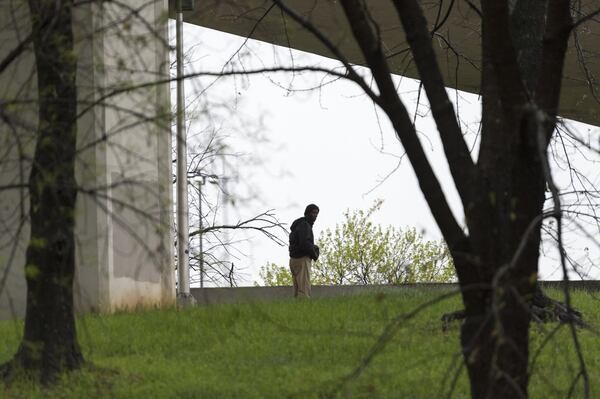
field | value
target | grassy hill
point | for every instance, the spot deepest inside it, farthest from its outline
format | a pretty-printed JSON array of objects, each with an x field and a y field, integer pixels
[{"x": 331, "y": 347}]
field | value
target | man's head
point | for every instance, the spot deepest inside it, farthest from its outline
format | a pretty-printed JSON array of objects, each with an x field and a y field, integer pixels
[{"x": 311, "y": 212}]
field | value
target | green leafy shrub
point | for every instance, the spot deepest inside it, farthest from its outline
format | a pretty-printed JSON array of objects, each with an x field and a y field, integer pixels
[{"x": 361, "y": 252}]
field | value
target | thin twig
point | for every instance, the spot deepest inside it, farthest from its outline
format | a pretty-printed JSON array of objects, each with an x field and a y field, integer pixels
[{"x": 557, "y": 214}]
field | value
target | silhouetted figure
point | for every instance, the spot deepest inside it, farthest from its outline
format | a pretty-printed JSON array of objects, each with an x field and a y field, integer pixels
[{"x": 303, "y": 250}]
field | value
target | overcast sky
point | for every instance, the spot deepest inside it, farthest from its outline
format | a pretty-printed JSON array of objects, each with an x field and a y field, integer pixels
[{"x": 328, "y": 146}]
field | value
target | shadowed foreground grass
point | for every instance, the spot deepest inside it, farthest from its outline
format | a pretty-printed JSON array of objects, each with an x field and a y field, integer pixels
[{"x": 297, "y": 349}]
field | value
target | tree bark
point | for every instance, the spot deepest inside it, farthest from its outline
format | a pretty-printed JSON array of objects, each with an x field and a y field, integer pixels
[{"x": 49, "y": 344}]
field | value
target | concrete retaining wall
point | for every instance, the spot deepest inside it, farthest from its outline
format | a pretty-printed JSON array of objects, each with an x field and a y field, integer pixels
[{"x": 221, "y": 295}]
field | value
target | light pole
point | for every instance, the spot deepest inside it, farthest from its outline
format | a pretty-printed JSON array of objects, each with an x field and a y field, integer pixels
[
  {"x": 226, "y": 203},
  {"x": 212, "y": 179},
  {"x": 200, "y": 249},
  {"x": 183, "y": 293}
]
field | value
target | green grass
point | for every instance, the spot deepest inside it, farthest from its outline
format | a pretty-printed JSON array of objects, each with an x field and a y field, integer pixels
[{"x": 298, "y": 349}]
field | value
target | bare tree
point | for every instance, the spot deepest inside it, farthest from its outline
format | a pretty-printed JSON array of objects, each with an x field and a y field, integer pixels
[
  {"x": 211, "y": 242},
  {"x": 523, "y": 47},
  {"x": 50, "y": 340},
  {"x": 63, "y": 122},
  {"x": 220, "y": 179}
]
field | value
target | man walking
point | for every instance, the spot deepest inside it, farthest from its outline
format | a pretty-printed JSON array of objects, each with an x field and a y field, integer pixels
[{"x": 303, "y": 250}]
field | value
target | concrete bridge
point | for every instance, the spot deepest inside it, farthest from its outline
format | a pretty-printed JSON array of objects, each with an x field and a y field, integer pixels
[
  {"x": 458, "y": 43},
  {"x": 124, "y": 212}
]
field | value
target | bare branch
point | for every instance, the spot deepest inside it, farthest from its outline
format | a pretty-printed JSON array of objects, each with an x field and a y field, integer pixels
[
  {"x": 497, "y": 40},
  {"x": 15, "y": 53},
  {"x": 547, "y": 93},
  {"x": 352, "y": 74},
  {"x": 263, "y": 222},
  {"x": 456, "y": 150},
  {"x": 584, "y": 19},
  {"x": 400, "y": 119},
  {"x": 557, "y": 214}
]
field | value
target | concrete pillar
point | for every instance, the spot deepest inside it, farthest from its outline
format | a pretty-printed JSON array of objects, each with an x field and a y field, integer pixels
[{"x": 123, "y": 231}]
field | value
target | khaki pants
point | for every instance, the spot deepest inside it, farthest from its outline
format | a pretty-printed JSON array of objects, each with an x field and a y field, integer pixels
[{"x": 300, "y": 268}]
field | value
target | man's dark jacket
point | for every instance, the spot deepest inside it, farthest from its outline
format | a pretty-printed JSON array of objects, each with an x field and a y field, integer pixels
[{"x": 302, "y": 242}]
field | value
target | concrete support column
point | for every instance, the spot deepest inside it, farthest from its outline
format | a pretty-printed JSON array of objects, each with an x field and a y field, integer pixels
[{"x": 124, "y": 217}]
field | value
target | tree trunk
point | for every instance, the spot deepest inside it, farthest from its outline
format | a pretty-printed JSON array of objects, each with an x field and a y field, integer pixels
[
  {"x": 505, "y": 237},
  {"x": 495, "y": 333},
  {"x": 49, "y": 343},
  {"x": 496, "y": 352}
]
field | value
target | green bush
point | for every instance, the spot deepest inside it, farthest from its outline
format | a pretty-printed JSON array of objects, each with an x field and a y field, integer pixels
[{"x": 361, "y": 252}]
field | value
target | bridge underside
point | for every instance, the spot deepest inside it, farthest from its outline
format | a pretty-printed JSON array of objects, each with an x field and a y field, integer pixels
[{"x": 457, "y": 45}]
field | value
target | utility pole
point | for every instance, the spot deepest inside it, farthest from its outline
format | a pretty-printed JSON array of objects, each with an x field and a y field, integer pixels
[
  {"x": 226, "y": 204},
  {"x": 184, "y": 297},
  {"x": 226, "y": 201}
]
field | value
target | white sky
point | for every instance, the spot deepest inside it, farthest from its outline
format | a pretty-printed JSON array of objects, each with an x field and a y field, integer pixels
[{"x": 323, "y": 146}]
